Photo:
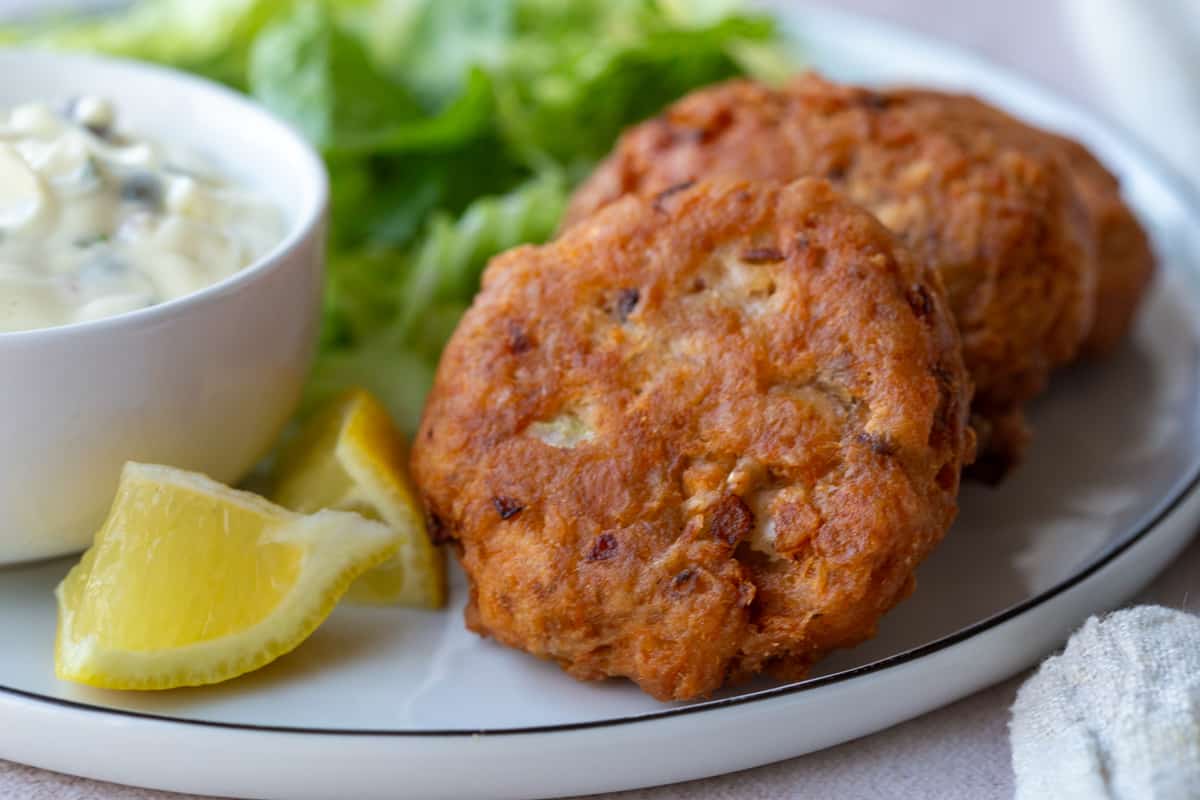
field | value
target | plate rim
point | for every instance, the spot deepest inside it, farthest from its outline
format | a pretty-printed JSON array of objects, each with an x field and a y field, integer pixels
[{"x": 1182, "y": 190}]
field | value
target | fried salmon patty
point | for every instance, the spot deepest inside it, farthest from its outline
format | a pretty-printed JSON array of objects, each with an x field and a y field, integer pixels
[
  {"x": 982, "y": 197},
  {"x": 699, "y": 436},
  {"x": 1124, "y": 260}
]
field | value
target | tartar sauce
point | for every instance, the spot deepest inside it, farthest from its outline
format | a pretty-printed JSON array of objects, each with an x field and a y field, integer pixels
[{"x": 96, "y": 222}]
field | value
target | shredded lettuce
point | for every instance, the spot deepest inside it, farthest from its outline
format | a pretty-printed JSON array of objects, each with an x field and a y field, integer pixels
[
  {"x": 212, "y": 37},
  {"x": 319, "y": 77},
  {"x": 453, "y": 130}
]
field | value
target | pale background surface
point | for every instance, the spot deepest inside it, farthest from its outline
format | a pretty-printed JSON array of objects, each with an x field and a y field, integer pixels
[{"x": 956, "y": 752}]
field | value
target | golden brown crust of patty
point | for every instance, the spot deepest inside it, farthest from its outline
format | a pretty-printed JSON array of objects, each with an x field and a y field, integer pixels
[
  {"x": 1126, "y": 261},
  {"x": 699, "y": 436},
  {"x": 969, "y": 189}
]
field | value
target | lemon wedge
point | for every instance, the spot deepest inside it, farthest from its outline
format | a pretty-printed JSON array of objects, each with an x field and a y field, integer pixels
[
  {"x": 190, "y": 582},
  {"x": 351, "y": 457}
]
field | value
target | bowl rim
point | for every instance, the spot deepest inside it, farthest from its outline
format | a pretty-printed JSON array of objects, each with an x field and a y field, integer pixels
[{"x": 309, "y": 222}]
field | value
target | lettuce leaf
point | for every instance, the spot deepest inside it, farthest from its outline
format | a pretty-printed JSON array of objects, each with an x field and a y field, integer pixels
[{"x": 317, "y": 76}]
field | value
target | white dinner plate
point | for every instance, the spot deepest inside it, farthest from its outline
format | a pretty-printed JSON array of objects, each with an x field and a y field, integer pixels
[{"x": 391, "y": 703}]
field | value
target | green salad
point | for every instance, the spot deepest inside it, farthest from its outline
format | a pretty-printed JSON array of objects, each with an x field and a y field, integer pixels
[{"x": 453, "y": 130}]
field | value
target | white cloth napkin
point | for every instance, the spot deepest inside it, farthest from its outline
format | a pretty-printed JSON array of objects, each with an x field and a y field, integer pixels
[
  {"x": 1146, "y": 57},
  {"x": 1117, "y": 715}
]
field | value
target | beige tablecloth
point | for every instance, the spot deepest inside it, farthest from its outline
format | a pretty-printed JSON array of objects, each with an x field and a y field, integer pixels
[{"x": 956, "y": 752}]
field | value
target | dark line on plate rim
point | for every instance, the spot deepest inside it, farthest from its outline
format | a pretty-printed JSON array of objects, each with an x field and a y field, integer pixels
[
  {"x": 1184, "y": 492},
  {"x": 1183, "y": 190}
]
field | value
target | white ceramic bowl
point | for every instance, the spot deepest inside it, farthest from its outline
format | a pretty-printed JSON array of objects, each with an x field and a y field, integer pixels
[{"x": 204, "y": 382}]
